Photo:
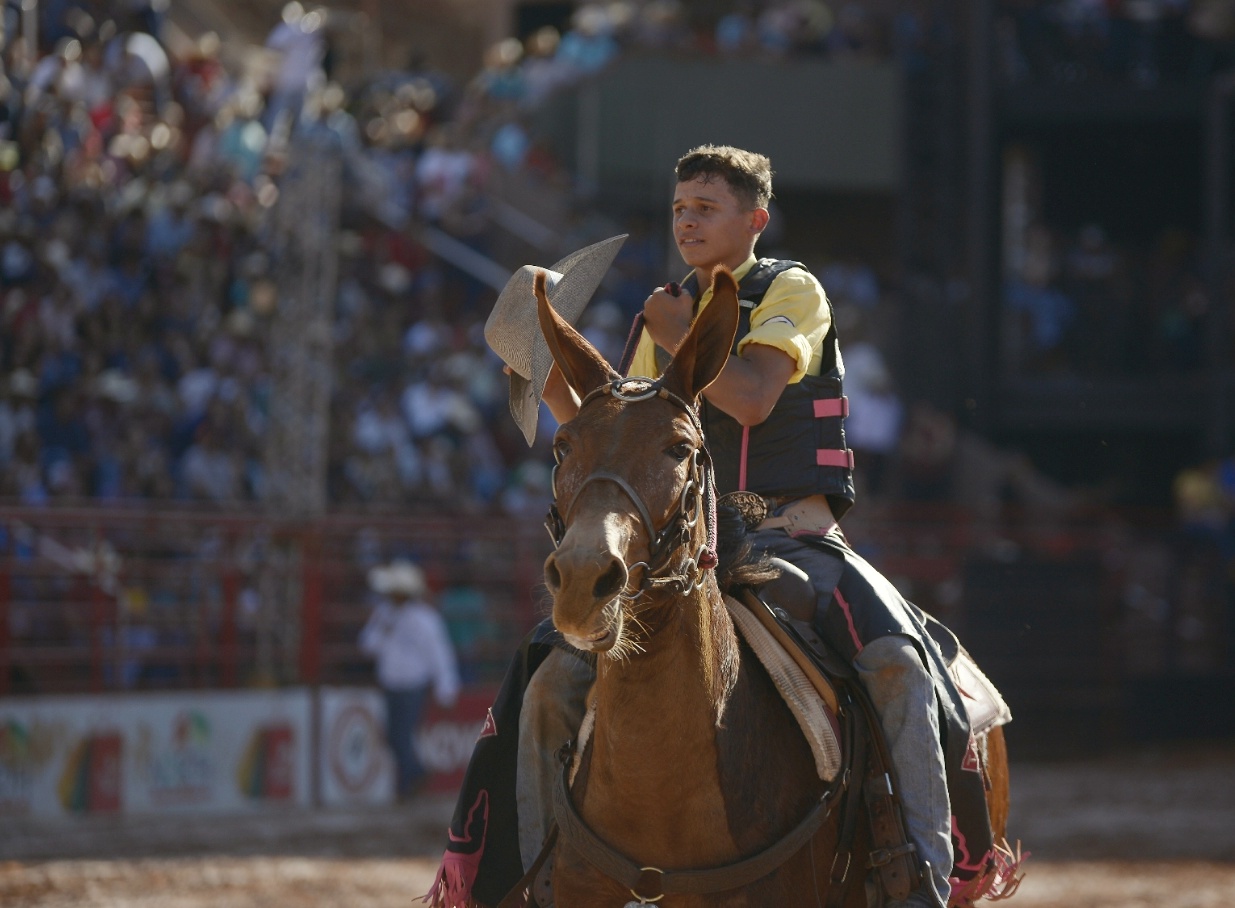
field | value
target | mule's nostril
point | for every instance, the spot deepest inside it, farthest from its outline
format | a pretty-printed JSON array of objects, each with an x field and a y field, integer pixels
[
  {"x": 553, "y": 578},
  {"x": 610, "y": 583}
]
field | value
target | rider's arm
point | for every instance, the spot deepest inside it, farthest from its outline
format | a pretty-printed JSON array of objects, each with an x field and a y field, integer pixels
[
  {"x": 787, "y": 331},
  {"x": 750, "y": 384}
]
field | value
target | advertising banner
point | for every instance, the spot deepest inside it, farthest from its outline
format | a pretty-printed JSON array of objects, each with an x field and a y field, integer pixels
[
  {"x": 217, "y": 751},
  {"x": 140, "y": 753},
  {"x": 448, "y": 737},
  {"x": 354, "y": 760}
]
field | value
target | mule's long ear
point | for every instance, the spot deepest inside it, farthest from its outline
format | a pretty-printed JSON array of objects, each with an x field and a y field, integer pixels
[
  {"x": 583, "y": 367},
  {"x": 706, "y": 348}
]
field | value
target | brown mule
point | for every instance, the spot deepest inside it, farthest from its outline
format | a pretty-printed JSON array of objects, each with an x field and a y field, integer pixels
[{"x": 694, "y": 761}]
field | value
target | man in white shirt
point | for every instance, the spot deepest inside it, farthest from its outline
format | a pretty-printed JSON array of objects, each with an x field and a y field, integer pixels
[{"x": 408, "y": 640}]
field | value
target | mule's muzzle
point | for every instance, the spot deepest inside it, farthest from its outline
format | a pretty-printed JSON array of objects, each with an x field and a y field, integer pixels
[{"x": 587, "y": 589}]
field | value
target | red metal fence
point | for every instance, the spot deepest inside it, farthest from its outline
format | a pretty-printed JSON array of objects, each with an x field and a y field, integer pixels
[
  {"x": 1073, "y": 618},
  {"x": 98, "y": 600}
]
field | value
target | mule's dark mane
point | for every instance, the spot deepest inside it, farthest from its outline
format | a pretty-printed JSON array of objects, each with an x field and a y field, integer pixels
[{"x": 738, "y": 563}]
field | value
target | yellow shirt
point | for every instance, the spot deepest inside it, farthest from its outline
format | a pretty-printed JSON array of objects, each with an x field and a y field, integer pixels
[{"x": 793, "y": 317}]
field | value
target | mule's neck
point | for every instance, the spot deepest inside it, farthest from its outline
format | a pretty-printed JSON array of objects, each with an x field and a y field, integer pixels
[
  {"x": 688, "y": 642},
  {"x": 673, "y": 692},
  {"x": 653, "y": 754}
]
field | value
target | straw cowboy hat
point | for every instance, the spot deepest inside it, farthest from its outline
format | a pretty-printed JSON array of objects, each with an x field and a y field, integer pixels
[
  {"x": 513, "y": 329},
  {"x": 398, "y": 578}
]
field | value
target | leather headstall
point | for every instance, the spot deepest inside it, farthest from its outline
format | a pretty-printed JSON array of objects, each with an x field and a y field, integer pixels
[{"x": 698, "y": 497}]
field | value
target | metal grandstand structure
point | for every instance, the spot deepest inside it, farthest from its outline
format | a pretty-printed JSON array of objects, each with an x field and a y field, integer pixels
[{"x": 303, "y": 240}]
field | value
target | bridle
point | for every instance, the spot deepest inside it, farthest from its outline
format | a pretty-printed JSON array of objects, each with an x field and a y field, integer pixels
[{"x": 697, "y": 500}]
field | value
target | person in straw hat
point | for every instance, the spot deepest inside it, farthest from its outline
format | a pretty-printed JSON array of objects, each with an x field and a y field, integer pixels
[{"x": 407, "y": 638}]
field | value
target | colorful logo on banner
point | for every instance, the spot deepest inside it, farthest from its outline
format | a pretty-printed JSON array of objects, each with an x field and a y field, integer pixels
[
  {"x": 267, "y": 769},
  {"x": 91, "y": 780},
  {"x": 182, "y": 772},
  {"x": 355, "y": 749},
  {"x": 25, "y": 750}
]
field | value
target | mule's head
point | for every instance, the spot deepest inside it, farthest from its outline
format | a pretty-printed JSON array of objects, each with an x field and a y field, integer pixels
[{"x": 629, "y": 468}]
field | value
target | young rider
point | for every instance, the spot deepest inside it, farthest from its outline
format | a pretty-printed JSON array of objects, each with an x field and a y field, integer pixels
[{"x": 773, "y": 420}]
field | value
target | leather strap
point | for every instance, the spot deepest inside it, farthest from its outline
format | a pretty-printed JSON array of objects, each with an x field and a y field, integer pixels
[
  {"x": 892, "y": 856},
  {"x": 792, "y": 649},
  {"x": 520, "y": 896},
  {"x": 855, "y": 759},
  {"x": 650, "y": 883}
]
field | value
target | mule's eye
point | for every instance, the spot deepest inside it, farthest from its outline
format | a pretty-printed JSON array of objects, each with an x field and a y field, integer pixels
[
  {"x": 560, "y": 450},
  {"x": 680, "y": 451}
]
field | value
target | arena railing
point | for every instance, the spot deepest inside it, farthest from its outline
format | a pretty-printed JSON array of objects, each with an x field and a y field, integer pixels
[
  {"x": 117, "y": 599},
  {"x": 1059, "y": 610}
]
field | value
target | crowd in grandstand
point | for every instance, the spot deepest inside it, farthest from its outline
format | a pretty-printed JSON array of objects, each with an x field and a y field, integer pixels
[
  {"x": 1142, "y": 42},
  {"x": 138, "y": 286},
  {"x": 1083, "y": 305}
]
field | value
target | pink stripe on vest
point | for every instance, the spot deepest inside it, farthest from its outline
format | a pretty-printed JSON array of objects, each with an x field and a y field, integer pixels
[
  {"x": 832, "y": 457},
  {"x": 831, "y": 406},
  {"x": 742, "y": 459}
]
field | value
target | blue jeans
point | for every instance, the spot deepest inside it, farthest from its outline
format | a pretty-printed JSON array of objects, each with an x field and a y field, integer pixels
[
  {"x": 404, "y": 709},
  {"x": 903, "y": 694}
]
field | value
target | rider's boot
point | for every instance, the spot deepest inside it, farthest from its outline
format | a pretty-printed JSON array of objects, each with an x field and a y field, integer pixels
[{"x": 903, "y": 694}]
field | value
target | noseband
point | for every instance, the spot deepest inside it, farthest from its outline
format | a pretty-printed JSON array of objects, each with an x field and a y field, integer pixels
[{"x": 676, "y": 533}]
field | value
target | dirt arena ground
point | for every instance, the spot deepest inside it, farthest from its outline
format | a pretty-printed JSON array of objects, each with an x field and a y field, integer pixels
[{"x": 1152, "y": 829}]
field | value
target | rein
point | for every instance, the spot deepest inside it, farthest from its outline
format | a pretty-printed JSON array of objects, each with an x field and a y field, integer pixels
[
  {"x": 698, "y": 496},
  {"x": 642, "y": 880}
]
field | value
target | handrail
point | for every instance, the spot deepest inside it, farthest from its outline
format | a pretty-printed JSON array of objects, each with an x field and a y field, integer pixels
[{"x": 464, "y": 257}]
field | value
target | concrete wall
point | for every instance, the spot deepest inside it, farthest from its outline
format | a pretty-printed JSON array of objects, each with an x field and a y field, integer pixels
[{"x": 825, "y": 126}]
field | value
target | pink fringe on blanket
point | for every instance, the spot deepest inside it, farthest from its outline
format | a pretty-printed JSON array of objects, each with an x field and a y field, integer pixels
[
  {"x": 999, "y": 880},
  {"x": 452, "y": 888}
]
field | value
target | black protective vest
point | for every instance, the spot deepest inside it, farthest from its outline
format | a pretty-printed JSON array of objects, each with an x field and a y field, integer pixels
[{"x": 799, "y": 449}]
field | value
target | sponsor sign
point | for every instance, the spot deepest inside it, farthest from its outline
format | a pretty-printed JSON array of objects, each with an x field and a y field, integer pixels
[
  {"x": 138, "y": 753},
  {"x": 217, "y": 751},
  {"x": 448, "y": 737},
  {"x": 354, "y": 761}
]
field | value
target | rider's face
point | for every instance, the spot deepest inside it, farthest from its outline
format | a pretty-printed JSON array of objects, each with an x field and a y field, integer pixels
[{"x": 711, "y": 226}]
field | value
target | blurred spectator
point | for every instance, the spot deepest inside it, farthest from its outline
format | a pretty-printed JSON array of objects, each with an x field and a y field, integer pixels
[
  {"x": 16, "y": 412},
  {"x": 299, "y": 46},
  {"x": 941, "y": 461},
  {"x": 1203, "y": 506},
  {"x": 470, "y": 620},
  {"x": 876, "y": 414},
  {"x": 408, "y": 639},
  {"x": 1042, "y": 310},
  {"x": 209, "y": 470},
  {"x": 1097, "y": 307},
  {"x": 1141, "y": 42}
]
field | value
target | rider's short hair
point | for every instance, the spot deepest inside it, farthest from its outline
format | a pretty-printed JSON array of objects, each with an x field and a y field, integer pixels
[{"x": 748, "y": 174}]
